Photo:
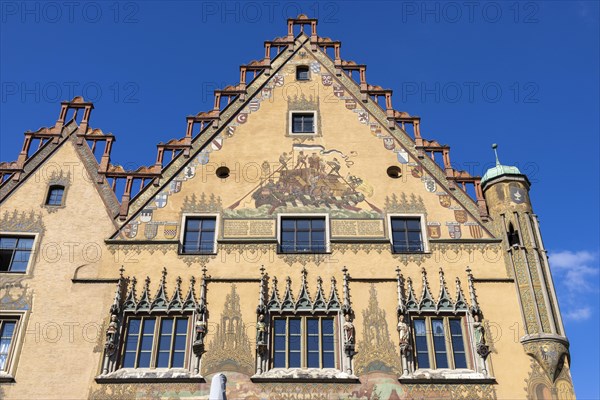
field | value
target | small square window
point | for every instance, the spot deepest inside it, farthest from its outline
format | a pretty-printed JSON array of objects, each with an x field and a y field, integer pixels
[
  {"x": 406, "y": 235},
  {"x": 302, "y": 73},
  {"x": 303, "y": 122},
  {"x": 55, "y": 196},
  {"x": 199, "y": 235},
  {"x": 303, "y": 235},
  {"x": 15, "y": 252}
]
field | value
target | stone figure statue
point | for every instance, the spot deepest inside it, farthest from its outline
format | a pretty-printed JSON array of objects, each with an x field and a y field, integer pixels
[
  {"x": 111, "y": 331},
  {"x": 348, "y": 330},
  {"x": 403, "y": 330},
  {"x": 479, "y": 331},
  {"x": 200, "y": 331},
  {"x": 261, "y": 329}
]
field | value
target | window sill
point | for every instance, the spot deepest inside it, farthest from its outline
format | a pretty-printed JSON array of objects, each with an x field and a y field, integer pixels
[
  {"x": 309, "y": 375},
  {"x": 147, "y": 375},
  {"x": 6, "y": 378},
  {"x": 465, "y": 376}
]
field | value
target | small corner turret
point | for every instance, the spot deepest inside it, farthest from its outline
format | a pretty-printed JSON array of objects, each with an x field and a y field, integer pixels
[{"x": 506, "y": 191}]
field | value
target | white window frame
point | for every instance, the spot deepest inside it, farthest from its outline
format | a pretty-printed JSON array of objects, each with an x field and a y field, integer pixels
[
  {"x": 17, "y": 342},
  {"x": 184, "y": 218},
  {"x": 300, "y": 215},
  {"x": 309, "y": 73},
  {"x": 33, "y": 254},
  {"x": 291, "y": 123},
  {"x": 424, "y": 237}
]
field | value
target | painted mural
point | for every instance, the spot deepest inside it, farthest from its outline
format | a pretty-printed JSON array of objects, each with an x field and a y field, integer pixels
[{"x": 308, "y": 178}]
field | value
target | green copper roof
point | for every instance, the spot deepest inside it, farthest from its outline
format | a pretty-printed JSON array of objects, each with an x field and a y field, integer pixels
[{"x": 499, "y": 169}]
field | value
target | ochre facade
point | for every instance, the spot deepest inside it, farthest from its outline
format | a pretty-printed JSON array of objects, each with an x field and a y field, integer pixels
[{"x": 100, "y": 259}]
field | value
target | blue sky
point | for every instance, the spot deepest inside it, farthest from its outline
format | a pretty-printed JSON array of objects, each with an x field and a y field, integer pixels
[{"x": 522, "y": 74}]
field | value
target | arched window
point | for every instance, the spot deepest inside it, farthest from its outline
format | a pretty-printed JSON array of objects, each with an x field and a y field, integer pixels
[
  {"x": 513, "y": 236},
  {"x": 55, "y": 195},
  {"x": 302, "y": 73}
]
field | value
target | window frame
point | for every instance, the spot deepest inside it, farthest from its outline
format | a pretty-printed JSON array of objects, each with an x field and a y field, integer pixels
[
  {"x": 154, "y": 352},
  {"x": 183, "y": 231},
  {"x": 308, "y": 75},
  {"x": 423, "y": 225},
  {"x": 32, "y": 254},
  {"x": 20, "y": 316},
  {"x": 327, "y": 238},
  {"x": 448, "y": 341},
  {"x": 291, "y": 122},
  {"x": 49, "y": 194},
  {"x": 304, "y": 317}
]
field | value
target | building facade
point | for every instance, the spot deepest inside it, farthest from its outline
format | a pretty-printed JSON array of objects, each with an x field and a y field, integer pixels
[{"x": 302, "y": 238}]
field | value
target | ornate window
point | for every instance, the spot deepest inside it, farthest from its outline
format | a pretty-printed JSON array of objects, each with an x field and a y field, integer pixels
[
  {"x": 407, "y": 235},
  {"x": 304, "y": 332},
  {"x": 304, "y": 342},
  {"x": 15, "y": 252},
  {"x": 199, "y": 235},
  {"x": 303, "y": 122},
  {"x": 440, "y": 334},
  {"x": 302, "y": 73},
  {"x": 303, "y": 235},
  {"x": 155, "y": 342},
  {"x": 55, "y": 195},
  {"x": 158, "y": 333},
  {"x": 439, "y": 342}
]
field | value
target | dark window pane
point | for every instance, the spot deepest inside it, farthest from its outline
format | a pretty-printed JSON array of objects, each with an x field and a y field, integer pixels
[
  {"x": 149, "y": 326},
  {"x": 146, "y": 343},
  {"x": 294, "y": 343},
  {"x": 182, "y": 325},
  {"x": 312, "y": 326},
  {"x": 280, "y": 342},
  {"x": 318, "y": 224},
  {"x": 422, "y": 360},
  {"x": 192, "y": 224},
  {"x": 180, "y": 342},
  {"x": 25, "y": 243},
  {"x": 163, "y": 360},
  {"x": 280, "y": 326},
  {"x": 327, "y": 326},
  {"x": 294, "y": 360},
  {"x": 328, "y": 360},
  {"x": 413, "y": 224},
  {"x": 129, "y": 360},
  {"x": 166, "y": 326},
  {"x": 279, "y": 360},
  {"x": 8, "y": 243},
  {"x": 327, "y": 343},
  {"x": 313, "y": 360},
  {"x": 144, "y": 360},
  {"x": 288, "y": 224},
  {"x": 460, "y": 361},
  {"x": 164, "y": 343},
  {"x": 303, "y": 224},
  {"x": 178, "y": 359},
  {"x": 295, "y": 326}
]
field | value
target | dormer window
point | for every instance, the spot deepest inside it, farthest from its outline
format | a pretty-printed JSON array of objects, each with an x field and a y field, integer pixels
[
  {"x": 55, "y": 195},
  {"x": 302, "y": 73}
]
